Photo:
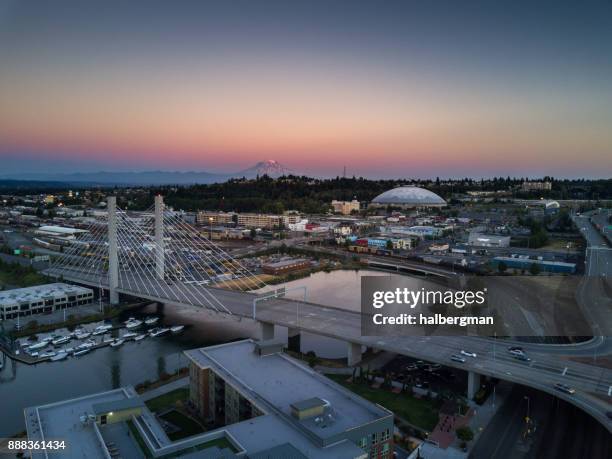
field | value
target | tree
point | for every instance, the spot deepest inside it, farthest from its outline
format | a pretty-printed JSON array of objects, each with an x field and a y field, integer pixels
[
  {"x": 389, "y": 244},
  {"x": 534, "y": 269},
  {"x": 502, "y": 267},
  {"x": 464, "y": 433}
]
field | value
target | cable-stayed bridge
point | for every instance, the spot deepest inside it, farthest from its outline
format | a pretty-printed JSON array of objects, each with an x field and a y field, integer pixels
[{"x": 158, "y": 256}]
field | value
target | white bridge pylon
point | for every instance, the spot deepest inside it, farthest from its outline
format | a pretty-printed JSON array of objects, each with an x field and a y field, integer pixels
[{"x": 156, "y": 254}]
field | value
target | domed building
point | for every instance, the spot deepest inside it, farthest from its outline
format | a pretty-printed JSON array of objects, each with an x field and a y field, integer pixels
[{"x": 408, "y": 197}]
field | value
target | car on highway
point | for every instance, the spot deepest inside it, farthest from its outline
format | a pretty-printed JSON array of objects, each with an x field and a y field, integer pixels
[
  {"x": 522, "y": 357},
  {"x": 565, "y": 388},
  {"x": 468, "y": 354},
  {"x": 516, "y": 352},
  {"x": 609, "y": 414},
  {"x": 457, "y": 358}
]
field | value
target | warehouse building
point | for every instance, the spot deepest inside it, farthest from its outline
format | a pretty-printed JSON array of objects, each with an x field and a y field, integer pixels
[
  {"x": 286, "y": 266},
  {"x": 556, "y": 267},
  {"x": 488, "y": 240},
  {"x": 42, "y": 299},
  {"x": 59, "y": 232}
]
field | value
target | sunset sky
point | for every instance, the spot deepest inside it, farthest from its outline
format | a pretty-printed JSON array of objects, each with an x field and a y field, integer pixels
[{"x": 393, "y": 88}]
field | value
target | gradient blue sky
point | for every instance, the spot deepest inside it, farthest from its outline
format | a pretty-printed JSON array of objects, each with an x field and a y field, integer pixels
[{"x": 394, "y": 88}]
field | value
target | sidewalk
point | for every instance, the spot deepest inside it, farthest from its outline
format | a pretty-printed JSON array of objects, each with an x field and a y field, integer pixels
[{"x": 177, "y": 384}]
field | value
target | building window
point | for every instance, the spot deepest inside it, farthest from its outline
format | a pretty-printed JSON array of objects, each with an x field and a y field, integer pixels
[
  {"x": 363, "y": 442},
  {"x": 385, "y": 435}
]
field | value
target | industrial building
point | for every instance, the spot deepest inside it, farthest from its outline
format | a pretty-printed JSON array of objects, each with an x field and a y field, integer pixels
[
  {"x": 556, "y": 267},
  {"x": 286, "y": 266},
  {"x": 42, "y": 299},
  {"x": 418, "y": 231},
  {"x": 60, "y": 232},
  {"x": 408, "y": 197},
  {"x": 488, "y": 240}
]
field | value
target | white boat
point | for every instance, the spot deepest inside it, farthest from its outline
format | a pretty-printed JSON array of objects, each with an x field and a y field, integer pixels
[
  {"x": 33, "y": 354},
  {"x": 59, "y": 356},
  {"x": 140, "y": 337},
  {"x": 44, "y": 355},
  {"x": 151, "y": 320},
  {"x": 117, "y": 343},
  {"x": 37, "y": 346},
  {"x": 133, "y": 324},
  {"x": 129, "y": 335},
  {"x": 81, "y": 352},
  {"x": 102, "y": 329},
  {"x": 82, "y": 334},
  {"x": 158, "y": 332},
  {"x": 177, "y": 328},
  {"x": 85, "y": 345},
  {"x": 131, "y": 319},
  {"x": 68, "y": 350},
  {"x": 108, "y": 340},
  {"x": 61, "y": 340}
]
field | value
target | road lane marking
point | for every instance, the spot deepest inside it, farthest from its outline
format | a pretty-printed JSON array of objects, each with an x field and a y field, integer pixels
[
  {"x": 609, "y": 391},
  {"x": 564, "y": 371}
]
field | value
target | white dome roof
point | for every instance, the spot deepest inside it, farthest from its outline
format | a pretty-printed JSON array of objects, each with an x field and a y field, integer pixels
[{"x": 409, "y": 195}]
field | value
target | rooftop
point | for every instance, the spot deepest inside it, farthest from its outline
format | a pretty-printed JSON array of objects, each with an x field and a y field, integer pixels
[
  {"x": 277, "y": 382},
  {"x": 409, "y": 195},
  {"x": 62, "y": 420},
  {"x": 39, "y": 292}
]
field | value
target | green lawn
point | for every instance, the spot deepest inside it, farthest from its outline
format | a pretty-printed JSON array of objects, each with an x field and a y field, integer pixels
[
  {"x": 168, "y": 400},
  {"x": 187, "y": 425},
  {"x": 420, "y": 412}
]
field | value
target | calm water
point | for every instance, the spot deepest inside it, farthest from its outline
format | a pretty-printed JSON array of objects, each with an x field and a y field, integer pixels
[{"x": 134, "y": 362}]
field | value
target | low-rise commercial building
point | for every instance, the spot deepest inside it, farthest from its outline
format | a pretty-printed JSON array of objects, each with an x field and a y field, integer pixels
[
  {"x": 286, "y": 266},
  {"x": 345, "y": 207},
  {"x": 488, "y": 240},
  {"x": 42, "y": 299},
  {"x": 265, "y": 221}
]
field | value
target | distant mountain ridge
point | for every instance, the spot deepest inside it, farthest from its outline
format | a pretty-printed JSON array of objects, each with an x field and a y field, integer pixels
[{"x": 269, "y": 167}]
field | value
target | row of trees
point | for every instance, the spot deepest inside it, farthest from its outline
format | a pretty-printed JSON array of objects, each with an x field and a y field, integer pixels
[{"x": 310, "y": 195}]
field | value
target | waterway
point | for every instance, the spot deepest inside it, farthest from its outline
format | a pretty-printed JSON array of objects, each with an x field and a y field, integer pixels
[{"x": 135, "y": 362}]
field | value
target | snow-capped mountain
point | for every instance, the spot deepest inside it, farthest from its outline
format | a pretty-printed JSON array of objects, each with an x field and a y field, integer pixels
[{"x": 269, "y": 167}]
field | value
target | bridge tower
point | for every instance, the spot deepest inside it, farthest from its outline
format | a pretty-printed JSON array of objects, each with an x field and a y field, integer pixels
[
  {"x": 159, "y": 237},
  {"x": 113, "y": 259}
]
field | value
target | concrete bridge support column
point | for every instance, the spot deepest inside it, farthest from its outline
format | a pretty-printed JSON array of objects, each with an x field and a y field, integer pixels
[
  {"x": 159, "y": 237},
  {"x": 473, "y": 384},
  {"x": 293, "y": 340},
  {"x": 266, "y": 331},
  {"x": 354, "y": 354},
  {"x": 113, "y": 259}
]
